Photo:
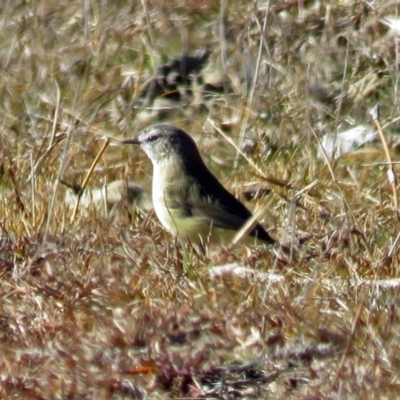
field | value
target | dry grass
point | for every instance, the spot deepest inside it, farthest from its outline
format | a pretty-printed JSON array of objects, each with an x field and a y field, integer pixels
[{"x": 109, "y": 306}]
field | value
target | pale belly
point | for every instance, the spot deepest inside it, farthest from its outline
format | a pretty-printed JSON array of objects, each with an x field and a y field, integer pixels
[
  {"x": 163, "y": 213},
  {"x": 187, "y": 228}
]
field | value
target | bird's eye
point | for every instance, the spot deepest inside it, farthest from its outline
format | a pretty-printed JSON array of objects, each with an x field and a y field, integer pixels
[{"x": 152, "y": 138}]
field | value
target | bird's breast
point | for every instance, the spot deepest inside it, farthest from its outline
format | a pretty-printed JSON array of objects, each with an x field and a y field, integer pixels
[
  {"x": 162, "y": 201},
  {"x": 172, "y": 189}
]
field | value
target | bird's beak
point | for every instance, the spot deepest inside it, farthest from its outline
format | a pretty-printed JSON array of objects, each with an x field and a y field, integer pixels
[{"x": 132, "y": 141}]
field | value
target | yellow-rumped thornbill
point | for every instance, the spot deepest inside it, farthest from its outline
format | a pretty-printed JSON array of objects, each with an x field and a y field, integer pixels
[{"x": 188, "y": 199}]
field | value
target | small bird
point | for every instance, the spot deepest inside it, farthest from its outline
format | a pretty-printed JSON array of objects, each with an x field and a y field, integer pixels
[{"x": 188, "y": 199}]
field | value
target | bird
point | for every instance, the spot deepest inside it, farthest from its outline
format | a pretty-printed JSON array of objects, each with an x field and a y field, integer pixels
[{"x": 188, "y": 199}]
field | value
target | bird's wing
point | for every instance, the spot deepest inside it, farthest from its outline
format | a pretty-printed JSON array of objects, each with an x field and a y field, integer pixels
[
  {"x": 227, "y": 218},
  {"x": 211, "y": 202},
  {"x": 216, "y": 214}
]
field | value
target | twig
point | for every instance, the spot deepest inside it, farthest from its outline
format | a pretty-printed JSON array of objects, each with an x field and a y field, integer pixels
[
  {"x": 392, "y": 248},
  {"x": 33, "y": 190},
  {"x": 243, "y": 127},
  {"x": 390, "y": 173},
  {"x": 249, "y": 225},
  {"x": 380, "y": 163},
  {"x": 222, "y": 31},
  {"x": 55, "y": 119},
  {"x": 236, "y": 147},
  {"x": 18, "y": 200},
  {"x": 88, "y": 175},
  {"x": 349, "y": 341},
  {"x": 149, "y": 26}
]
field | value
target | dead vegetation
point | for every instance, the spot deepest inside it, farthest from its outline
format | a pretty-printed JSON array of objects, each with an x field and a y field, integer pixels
[{"x": 106, "y": 305}]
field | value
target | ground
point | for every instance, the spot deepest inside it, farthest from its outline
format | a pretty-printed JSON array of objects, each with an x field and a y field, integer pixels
[{"x": 99, "y": 302}]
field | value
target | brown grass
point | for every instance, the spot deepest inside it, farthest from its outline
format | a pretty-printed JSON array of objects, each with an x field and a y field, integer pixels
[{"x": 110, "y": 306}]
